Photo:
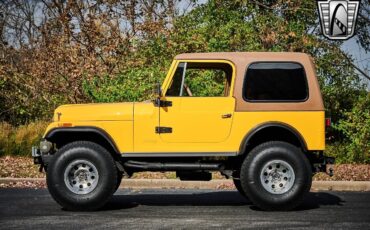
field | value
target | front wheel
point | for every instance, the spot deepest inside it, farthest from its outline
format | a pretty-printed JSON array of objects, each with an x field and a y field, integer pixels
[
  {"x": 119, "y": 180},
  {"x": 239, "y": 187},
  {"x": 82, "y": 176},
  {"x": 276, "y": 176}
]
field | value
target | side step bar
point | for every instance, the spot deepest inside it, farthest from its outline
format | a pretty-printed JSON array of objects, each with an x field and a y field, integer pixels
[{"x": 158, "y": 166}]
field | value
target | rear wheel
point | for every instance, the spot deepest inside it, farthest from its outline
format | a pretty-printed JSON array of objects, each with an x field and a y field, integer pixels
[
  {"x": 276, "y": 176},
  {"x": 82, "y": 176}
]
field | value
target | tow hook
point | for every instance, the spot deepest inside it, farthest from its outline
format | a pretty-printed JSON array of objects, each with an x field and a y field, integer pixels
[
  {"x": 329, "y": 161},
  {"x": 323, "y": 164},
  {"x": 37, "y": 159},
  {"x": 331, "y": 171}
]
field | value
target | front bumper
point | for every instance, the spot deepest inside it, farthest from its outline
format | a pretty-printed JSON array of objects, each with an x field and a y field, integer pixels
[
  {"x": 42, "y": 155},
  {"x": 36, "y": 154}
]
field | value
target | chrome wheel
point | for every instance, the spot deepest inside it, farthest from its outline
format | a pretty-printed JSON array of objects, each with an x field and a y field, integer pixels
[
  {"x": 81, "y": 177},
  {"x": 277, "y": 176}
]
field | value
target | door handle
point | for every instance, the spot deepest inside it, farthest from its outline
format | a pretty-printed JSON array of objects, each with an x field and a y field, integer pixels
[{"x": 227, "y": 115}]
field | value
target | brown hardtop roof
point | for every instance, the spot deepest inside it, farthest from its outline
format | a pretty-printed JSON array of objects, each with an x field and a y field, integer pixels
[
  {"x": 242, "y": 55},
  {"x": 241, "y": 60}
]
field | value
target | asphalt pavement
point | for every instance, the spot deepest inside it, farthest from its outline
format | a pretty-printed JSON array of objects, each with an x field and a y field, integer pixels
[{"x": 183, "y": 209}]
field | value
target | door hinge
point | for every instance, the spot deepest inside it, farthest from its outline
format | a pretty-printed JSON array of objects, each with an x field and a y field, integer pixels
[
  {"x": 160, "y": 129},
  {"x": 161, "y": 103}
]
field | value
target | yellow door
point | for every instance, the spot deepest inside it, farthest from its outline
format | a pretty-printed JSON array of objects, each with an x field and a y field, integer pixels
[
  {"x": 201, "y": 108},
  {"x": 197, "y": 119}
]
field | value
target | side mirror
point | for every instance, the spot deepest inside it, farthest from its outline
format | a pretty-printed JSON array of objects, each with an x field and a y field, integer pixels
[{"x": 157, "y": 91}]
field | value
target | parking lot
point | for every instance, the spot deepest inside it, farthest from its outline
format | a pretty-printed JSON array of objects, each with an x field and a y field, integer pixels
[{"x": 183, "y": 209}]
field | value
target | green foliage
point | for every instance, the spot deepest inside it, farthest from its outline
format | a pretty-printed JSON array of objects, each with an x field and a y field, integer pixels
[
  {"x": 110, "y": 65},
  {"x": 135, "y": 84},
  {"x": 356, "y": 129},
  {"x": 205, "y": 82},
  {"x": 215, "y": 26},
  {"x": 246, "y": 26}
]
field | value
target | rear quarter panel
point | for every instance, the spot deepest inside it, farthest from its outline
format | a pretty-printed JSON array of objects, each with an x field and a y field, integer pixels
[{"x": 309, "y": 124}]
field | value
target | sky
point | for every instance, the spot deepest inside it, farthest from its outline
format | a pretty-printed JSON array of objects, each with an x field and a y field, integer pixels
[{"x": 362, "y": 59}]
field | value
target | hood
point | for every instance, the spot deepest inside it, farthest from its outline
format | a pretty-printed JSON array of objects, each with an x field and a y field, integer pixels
[{"x": 95, "y": 112}]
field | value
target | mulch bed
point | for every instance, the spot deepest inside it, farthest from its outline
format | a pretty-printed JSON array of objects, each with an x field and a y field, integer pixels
[
  {"x": 23, "y": 167},
  {"x": 24, "y": 184},
  {"x": 347, "y": 172},
  {"x": 19, "y": 167}
]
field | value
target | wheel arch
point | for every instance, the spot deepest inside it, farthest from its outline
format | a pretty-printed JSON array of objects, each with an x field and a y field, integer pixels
[
  {"x": 64, "y": 135},
  {"x": 272, "y": 131}
]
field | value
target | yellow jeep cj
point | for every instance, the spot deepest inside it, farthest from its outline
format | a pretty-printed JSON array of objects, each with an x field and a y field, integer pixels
[{"x": 257, "y": 118}]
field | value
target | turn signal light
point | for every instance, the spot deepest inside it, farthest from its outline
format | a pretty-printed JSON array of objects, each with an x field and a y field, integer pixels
[{"x": 65, "y": 124}]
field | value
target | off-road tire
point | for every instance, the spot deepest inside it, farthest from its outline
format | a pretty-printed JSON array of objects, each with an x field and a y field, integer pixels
[
  {"x": 93, "y": 153},
  {"x": 119, "y": 180},
  {"x": 239, "y": 187},
  {"x": 252, "y": 171}
]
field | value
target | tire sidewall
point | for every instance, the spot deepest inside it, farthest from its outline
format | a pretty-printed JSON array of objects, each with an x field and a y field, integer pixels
[
  {"x": 238, "y": 186},
  {"x": 93, "y": 153},
  {"x": 252, "y": 168}
]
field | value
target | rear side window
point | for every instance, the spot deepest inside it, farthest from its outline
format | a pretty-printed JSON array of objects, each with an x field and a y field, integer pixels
[{"x": 275, "y": 81}]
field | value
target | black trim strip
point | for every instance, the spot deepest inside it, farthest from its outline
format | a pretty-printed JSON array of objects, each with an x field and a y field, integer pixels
[{"x": 179, "y": 154}]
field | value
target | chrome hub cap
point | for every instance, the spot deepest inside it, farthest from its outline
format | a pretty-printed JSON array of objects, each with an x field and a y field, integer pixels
[
  {"x": 81, "y": 177},
  {"x": 277, "y": 176}
]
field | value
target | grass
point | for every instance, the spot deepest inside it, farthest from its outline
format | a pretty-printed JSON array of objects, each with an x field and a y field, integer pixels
[{"x": 17, "y": 141}]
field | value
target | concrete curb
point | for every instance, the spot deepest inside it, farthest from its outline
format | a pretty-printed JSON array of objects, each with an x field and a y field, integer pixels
[{"x": 213, "y": 184}]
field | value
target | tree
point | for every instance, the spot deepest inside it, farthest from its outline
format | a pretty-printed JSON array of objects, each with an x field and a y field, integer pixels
[{"x": 104, "y": 51}]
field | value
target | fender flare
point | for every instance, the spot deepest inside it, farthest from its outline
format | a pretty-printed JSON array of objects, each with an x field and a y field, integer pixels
[
  {"x": 262, "y": 126},
  {"x": 53, "y": 133}
]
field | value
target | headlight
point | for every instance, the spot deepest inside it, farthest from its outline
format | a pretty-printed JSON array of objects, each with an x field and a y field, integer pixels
[{"x": 45, "y": 146}]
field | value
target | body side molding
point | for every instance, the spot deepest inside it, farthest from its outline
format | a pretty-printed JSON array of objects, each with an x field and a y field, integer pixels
[{"x": 179, "y": 154}]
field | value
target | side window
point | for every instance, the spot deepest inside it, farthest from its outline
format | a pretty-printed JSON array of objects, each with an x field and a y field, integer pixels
[
  {"x": 275, "y": 81},
  {"x": 174, "y": 89},
  {"x": 196, "y": 79}
]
